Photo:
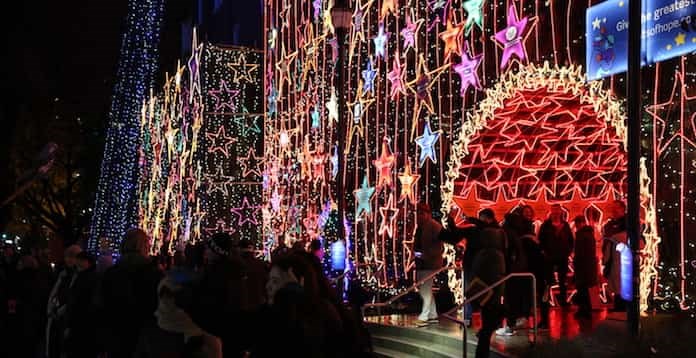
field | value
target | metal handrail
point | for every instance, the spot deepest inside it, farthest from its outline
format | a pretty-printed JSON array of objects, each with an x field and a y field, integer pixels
[
  {"x": 409, "y": 289},
  {"x": 448, "y": 314}
]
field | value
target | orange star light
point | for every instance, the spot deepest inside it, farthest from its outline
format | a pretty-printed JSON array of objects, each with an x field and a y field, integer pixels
[
  {"x": 220, "y": 137},
  {"x": 408, "y": 183},
  {"x": 451, "y": 37}
]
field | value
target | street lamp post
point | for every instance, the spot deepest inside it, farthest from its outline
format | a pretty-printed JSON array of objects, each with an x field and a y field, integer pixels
[{"x": 341, "y": 15}]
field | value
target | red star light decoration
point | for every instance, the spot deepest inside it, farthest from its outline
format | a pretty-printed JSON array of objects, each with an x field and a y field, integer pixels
[
  {"x": 452, "y": 38},
  {"x": 384, "y": 165}
]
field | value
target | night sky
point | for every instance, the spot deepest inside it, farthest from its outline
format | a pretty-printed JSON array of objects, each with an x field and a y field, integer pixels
[{"x": 65, "y": 50}]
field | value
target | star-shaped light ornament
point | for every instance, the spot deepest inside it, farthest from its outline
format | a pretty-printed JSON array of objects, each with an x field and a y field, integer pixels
[
  {"x": 410, "y": 32},
  {"x": 222, "y": 106},
  {"x": 332, "y": 106},
  {"x": 272, "y": 38},
  {"x": 451, "y": 37},
  {"x": 389, "y": 6},
  {"x": 243, "y": 71},
  {"x": 512, "y": 38},
  {"x": 426, "y": 143},
  {"x": 283, "y": 68},
  {"x": 473, "y": 15},
  {"x": 194, "y": 67},
  {"x": 384, "y": 165},
  {"x": 380, "y": 42},
  {"x": 421, "y": 86},
  {"x": 316, "y": 118},
  {"x": 247, "y": 213},
  {"x": 272, "y": 101},
  {"x": 396, "y": 78},
  {"x": 317, "y": 5},
  {"x": 328, "y": 21},
  {"x": 359, "y": 108},
  {"x": 285, "y": 14},
  {"x": 253, "y": 168},
  {"x": 368, "y": 76},
  {"x": 276, "y": 200},
  {"x": 467, "y": 70},
  {"x": 363, "y": 196},
  {"x": 357, "y": 36},
  {"x": 388, "y": 214},
  {"x": 409, "y": 182},
  {"x": 220, "y": 142},
  {"x": 218, "y": 182}
]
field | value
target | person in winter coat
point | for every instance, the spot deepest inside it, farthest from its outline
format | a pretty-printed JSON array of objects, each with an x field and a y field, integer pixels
[
  {"x": 429, "y": 250},
  {"x": 302, "y": 322},
  {"x": 614, "y": 234},
  {"x": 488, "y": 268},
  {"x": 221, "y": 295},
  {"x": 556, "y": 240},
  {"x": 517, "y": 290},
  {"x": 57, "y": 302},
  {"x": 28, "y": 293},
  {"x": 128, "y": 295},
  {"x": 172, "y": 332},
  {"x": 80, "y": 337},
  {"x": 585, "y": 264}
]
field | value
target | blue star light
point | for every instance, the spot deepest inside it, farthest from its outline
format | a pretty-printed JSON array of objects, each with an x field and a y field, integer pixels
[
  {"x": 380, "y": 41},
  {"x": 364, "y": 198},
  {"x": 426, "y": 143},
  {"x": 368, "y": 76},
  {"x": 273, "y": 101},
  {"x": 315, "y": 118}
]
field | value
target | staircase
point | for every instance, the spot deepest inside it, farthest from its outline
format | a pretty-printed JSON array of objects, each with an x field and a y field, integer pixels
[{"x": 406, "y": 342}]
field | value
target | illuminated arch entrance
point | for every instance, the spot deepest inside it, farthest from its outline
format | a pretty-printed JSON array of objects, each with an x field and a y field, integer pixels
[{"x": 542, "y": 136}]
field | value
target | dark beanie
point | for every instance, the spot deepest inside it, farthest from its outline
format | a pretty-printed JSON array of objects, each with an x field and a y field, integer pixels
[{"x": 220, "y": 243}]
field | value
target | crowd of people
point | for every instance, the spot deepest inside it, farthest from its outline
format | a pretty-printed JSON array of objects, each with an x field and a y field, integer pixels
[
  {"x": 218, "y": 299},
  {"x": 214, "y": 299},
  {"x": 492, "y": 248}
]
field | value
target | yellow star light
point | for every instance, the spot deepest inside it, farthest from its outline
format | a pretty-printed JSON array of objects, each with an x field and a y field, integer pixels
[
  {"x": 357, "y": 108},
  {"x": 283, "y": 67},
  {"x": 680, "y": 39},
  {"x": 359, "y": 15},
  {"x": 408, "y": 183},
  {"x": 387, "y": 7},
  {"x": 421, "y": 86},
  {"x": 242, "y": 71},
  {"x": 328, "y": 22}
]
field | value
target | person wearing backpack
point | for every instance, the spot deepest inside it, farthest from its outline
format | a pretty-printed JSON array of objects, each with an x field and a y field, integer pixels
[{"x": 128, "y": 295}]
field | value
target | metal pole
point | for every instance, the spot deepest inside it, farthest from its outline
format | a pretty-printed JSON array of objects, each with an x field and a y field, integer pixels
[
  {"x": 633, "y": 148},
  {"x": 464, "y": 354}
]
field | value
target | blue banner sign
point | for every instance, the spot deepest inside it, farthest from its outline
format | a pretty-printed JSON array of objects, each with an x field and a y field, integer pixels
[
  {"x": 670, "y": 28},
  {"x": 607, "y": 39},
  {"x": 667, "y": 31}
]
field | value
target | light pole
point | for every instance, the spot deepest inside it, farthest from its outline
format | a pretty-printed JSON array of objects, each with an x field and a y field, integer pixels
[
  {"x": 341, "y": 15},
  {"x": 633, "y": 148}
]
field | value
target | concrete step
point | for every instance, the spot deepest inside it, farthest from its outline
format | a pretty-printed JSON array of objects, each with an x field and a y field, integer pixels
[
  {"x": 380, "y": 352},
  {"x": 417, "y": 348}
]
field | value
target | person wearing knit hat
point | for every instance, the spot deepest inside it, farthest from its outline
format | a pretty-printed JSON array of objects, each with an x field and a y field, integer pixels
[
  {"x": 174, "y": 331},
  {"x": 220, "y": 243}
]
